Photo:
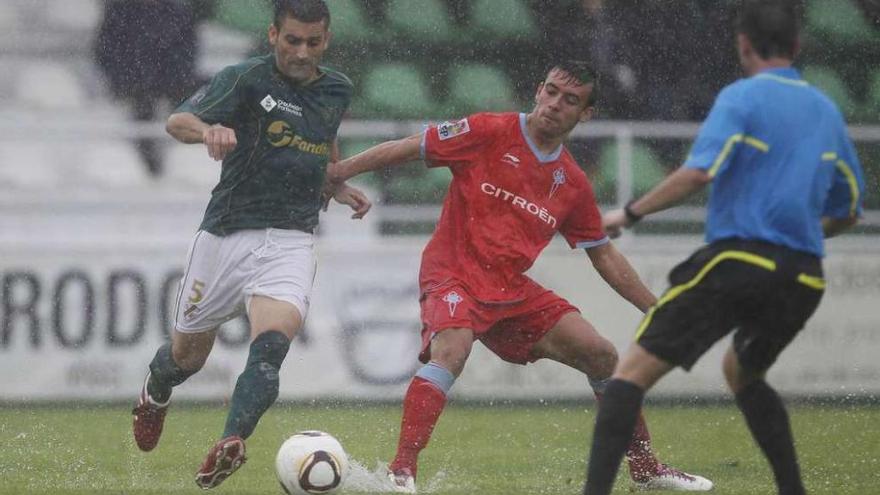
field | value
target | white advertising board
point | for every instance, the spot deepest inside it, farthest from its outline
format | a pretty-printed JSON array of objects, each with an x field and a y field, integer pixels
[{"x": 82, "y": 314}]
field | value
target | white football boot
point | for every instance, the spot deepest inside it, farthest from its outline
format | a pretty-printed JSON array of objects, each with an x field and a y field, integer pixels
[
  {"x": 403, "y": 481},
  {"x": 669, "y": 478}
]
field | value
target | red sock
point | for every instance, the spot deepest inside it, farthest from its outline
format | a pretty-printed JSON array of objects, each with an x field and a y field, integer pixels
[
  {"x": 421, "y": 409},
  {"x": 639, "y": 456},
  {"x": 642, "y": 463}
]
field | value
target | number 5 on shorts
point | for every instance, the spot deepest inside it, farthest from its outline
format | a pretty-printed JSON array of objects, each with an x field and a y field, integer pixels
[{"x": 196, "y": 290}]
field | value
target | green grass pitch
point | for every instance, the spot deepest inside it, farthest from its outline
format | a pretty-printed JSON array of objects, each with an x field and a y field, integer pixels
[{"x": 537, "y": 449}]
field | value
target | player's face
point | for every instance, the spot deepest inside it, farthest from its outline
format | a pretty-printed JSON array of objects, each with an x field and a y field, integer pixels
[
  {"x": 299, "y": 47},
  {"x": 561, "y": 103}
]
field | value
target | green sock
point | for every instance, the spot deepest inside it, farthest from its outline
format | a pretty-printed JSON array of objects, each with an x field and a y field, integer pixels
[
  {"x": 257, "y": 386},
  {"x": 165, "y": 374}
]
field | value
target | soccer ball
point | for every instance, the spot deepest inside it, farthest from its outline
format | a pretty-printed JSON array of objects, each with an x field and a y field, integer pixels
[{"x": 311, "y": 462}]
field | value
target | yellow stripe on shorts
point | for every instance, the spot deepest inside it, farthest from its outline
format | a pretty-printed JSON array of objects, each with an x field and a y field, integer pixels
[
  {"x": 676, "y": 291},
  {"x": 812, "y": 282}
]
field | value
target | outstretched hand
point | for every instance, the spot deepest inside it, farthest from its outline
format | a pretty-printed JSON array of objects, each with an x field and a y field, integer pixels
[
  {"x": 614, "y": 222},
  {"x": 219, "y": 140},
  {"x": 354, "y": 198}
]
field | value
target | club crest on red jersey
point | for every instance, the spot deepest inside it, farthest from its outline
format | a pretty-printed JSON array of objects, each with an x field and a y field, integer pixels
[
  {"x": 558, "y": 180},
  {"x": 452, "y": 299}
]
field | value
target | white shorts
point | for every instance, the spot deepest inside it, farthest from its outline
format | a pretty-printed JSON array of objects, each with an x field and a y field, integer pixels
[{"x": 222, "y": 274}]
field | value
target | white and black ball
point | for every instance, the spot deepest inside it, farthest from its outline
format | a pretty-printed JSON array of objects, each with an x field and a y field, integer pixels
[{"x": 311, "y": 462}]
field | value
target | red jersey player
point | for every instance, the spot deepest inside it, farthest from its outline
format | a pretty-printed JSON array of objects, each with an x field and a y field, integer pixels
[{"x": 514, "y": 186}]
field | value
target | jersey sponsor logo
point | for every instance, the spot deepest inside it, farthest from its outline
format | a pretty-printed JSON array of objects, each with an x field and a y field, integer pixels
[
  {"x": 510, "y": 159},
  {"x": 448, "y": 130},
  {"x": 290, "y": 108},
  {"x": 268, "y": 103},
  {"x": 516, "y": 200},
  {"x": 558, "y": 180},
  {"x": 452, "y": 299},
  {"x": 280, "y": 135}
]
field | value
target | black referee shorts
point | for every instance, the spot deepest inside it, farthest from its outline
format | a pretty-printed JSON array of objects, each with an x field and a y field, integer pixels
[{"x": 763, "y": 292}]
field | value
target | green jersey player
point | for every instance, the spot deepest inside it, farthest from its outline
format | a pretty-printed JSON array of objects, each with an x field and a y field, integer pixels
[{"x": 272, "y": 120}]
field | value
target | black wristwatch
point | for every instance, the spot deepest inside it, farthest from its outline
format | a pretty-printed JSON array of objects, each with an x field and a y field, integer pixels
[{"x": 631, "y": 216}]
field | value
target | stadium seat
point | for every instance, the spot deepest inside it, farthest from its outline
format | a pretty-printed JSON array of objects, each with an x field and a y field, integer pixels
[
  {"x": 9, "y": 20},
  {"x": 111, "y": 165},
  {"x": 827, "y": 79},
  {"x": 646, "y": 168},
  {"x": 478, "y": 87},
  {"x": 417, "y": 184},
  {"x": 349, "y": 23},
  {"x": 838, "y": 20},
  {"x": 426, "y": 21},
  {"x": 189, "y": 167},
  {"x": 252, "y": 17},
  {"x": 29, "y": 165},
  {"x": 397, "y": 91},
  {"x": 82, "y": 15},
  {"x": 506, "y": 19},
  {"x": 874, "y": 96},
  {"x": 48, "y": 85}
]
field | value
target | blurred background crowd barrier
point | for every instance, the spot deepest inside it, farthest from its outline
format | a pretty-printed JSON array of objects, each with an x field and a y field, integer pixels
[{"x": 97, "y": 203}]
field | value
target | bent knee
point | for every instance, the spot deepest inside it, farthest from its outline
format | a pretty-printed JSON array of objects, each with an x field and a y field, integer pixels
[{"x": 602, "y": 358}]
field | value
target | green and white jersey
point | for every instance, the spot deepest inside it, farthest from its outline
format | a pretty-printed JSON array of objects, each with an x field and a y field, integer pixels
[{"x": 285, "y": 133}]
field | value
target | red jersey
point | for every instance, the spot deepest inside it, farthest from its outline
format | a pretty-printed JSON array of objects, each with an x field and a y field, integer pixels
[{"x": 505, "y": 203}]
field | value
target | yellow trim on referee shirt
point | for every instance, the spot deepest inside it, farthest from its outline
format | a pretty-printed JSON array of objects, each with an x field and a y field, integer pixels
[
  {"x": 847, "y": 172},
  {"x": 728, "y": 146},
  {"x": 676, "y": 291},
  {"x": 811, "y": 281},
  {"x": 853, "y": 185}
]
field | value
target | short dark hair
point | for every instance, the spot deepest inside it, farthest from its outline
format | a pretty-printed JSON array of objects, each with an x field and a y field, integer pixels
[
  {"x": 307, "y": 11},
  {"x": 579, "y": 72},
  {"x": 772, "y": 26}
]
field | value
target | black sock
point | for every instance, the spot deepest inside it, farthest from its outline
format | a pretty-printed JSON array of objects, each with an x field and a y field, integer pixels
[
  {"x": 165, "y": 374},
  {"x": 615, "y": 423},
  {"x": 767, "y": 419},
  {"x": 257, "y": 386}
]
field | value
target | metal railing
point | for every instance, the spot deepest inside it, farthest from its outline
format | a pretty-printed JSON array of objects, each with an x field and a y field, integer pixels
[{"x": 18, "y": 126}]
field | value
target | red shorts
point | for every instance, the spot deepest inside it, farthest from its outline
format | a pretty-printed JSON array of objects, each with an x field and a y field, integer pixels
[{"x": 510, "y": 330}]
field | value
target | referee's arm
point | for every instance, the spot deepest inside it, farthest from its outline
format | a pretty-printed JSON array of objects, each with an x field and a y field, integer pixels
[
  {"x": 679, "y": 185},
  {"x": 834, "y": 226}
]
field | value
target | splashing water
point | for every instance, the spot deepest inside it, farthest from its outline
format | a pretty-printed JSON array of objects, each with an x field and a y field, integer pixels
[{"x": 362, "y": 479}]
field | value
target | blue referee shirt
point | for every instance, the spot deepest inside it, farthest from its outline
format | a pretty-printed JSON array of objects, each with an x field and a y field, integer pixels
[{"x": 781, "y": 159}]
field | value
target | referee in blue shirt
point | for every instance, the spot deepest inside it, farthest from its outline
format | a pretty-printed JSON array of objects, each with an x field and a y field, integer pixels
[{"x": 784, "y": 175}]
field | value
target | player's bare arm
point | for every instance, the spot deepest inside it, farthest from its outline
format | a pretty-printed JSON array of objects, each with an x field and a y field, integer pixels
[
  {"x": 187, "y": 128},
  {"x": 620, "y": 275},
  {"x": 834, "y": 226},
  {"x": 679, "y": 185},
  {"x": 383, "y": 155}
]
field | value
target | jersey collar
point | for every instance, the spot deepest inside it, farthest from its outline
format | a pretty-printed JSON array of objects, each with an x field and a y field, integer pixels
[
  {"x": 787, "y": 75},
  {"x": 542, "y": 157}
]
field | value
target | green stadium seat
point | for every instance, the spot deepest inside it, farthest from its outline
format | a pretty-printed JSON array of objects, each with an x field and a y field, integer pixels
[
  {"x": 252, "y": 17},
  {"x": 426, "y": 21},
  {"x": 478, "y": 87},
  {"x": 830, "y": 82},
  {"x": 874, "y": 96},
  {"x": 397, "y": 90},
  {"x": 417, "y": 184},
  {"x": 839, "y": 20},
  {"x": 349, "y": 23},
  {"x": 646, "y": 167},
  {"x": 505, "y": 19}
]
